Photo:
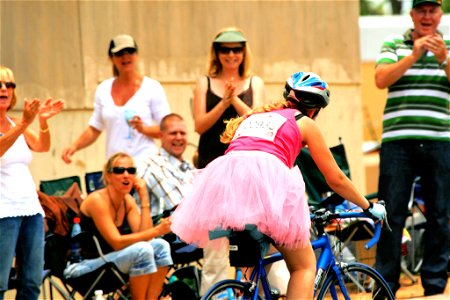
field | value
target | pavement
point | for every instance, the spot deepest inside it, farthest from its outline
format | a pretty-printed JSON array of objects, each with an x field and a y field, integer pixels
[{"x": 414, "y": 291}]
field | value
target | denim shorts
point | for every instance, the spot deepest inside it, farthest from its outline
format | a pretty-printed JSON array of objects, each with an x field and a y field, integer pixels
[{"x": 140, "y": 258}]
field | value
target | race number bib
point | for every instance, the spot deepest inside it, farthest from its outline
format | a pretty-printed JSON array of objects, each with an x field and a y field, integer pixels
[{"x": 264, "y": 126}]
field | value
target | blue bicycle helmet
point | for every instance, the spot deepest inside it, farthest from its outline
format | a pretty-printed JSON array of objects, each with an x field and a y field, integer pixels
[{"x": 308, "y": 89}]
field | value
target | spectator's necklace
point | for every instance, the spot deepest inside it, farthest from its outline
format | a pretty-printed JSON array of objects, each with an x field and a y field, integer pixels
[{"x": 116, "y": 210}]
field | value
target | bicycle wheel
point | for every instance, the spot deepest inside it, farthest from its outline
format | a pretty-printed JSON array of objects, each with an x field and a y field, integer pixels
[
  {"x": 361, "y": 282},
  {"x": 229, "y": 290}
]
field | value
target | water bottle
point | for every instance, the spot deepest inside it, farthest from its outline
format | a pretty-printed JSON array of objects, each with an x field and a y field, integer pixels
[
  {"x": 98, "y": 295},
  {"x": 75, "y": 247}
]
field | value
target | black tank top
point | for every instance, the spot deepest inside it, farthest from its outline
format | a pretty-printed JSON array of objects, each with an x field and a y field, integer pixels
[
  {"x": 88, "y": 247},
  {"x": 209, "y": 146}
]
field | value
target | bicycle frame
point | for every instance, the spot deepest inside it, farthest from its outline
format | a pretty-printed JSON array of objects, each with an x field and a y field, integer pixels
[{"x": 325, "y": 263}]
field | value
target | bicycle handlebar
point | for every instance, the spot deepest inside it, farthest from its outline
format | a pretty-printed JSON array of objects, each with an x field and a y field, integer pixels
[
  {"x": 376, "y": 236},
  {"x": 322, "y": 217}
]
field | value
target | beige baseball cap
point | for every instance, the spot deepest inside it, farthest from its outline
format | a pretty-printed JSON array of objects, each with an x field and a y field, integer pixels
[{"x": 121, "y": 42}]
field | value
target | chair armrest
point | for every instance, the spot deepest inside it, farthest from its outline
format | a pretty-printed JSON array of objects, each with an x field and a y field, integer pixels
[{"x": 99, "y": 249}]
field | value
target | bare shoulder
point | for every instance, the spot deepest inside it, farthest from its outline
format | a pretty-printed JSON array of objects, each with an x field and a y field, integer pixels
[
  {"x": 94, "y": 202},
  {"x": 201, "y": 85},
  {"x": 202, "y": 81},
  {"x": 256, "y": 80},
  {"x": 308, "y": 127}
]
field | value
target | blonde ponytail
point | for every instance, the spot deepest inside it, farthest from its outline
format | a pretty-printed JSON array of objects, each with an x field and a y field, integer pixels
[{"x": 233, "y": 124}]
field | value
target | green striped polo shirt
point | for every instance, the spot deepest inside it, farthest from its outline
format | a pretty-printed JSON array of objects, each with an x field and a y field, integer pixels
[{"x": 417, "y": 106}]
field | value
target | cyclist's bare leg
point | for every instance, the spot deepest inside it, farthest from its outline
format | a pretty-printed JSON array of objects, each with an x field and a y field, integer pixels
[
  {"x": 302, "y": 266},
  {"x": 247, "y": 272}
]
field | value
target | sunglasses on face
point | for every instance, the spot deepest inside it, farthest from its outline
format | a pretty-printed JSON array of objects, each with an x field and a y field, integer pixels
[
  {"x": 226, "y": 50},
  {"x": 7, "y": 84},
  {"x": 121, "y": 170},
  {"x": 122, "y": 52}
]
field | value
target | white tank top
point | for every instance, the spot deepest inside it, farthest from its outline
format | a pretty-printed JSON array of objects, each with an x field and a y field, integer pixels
[{"x": 18, "y": 196}]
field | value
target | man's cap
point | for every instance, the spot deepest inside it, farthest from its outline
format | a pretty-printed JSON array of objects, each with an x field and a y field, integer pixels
[
  {"x": 230, "y": 37},
  {"x": 121, "y": 42},
  {"x": 422, "y": 2}
]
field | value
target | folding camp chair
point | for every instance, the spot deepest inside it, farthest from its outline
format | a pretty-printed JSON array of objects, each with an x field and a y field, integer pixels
[
  {"x": 60, "y": 212},
  {"x": 107, "y": 278},
  {"x": 183, "y": 284},
  {"x": 186, "y": 266},
  {"x": 94, "y": 181},
  {"x": 58, "y": 187},
  {"x": 182, "y": 254}
]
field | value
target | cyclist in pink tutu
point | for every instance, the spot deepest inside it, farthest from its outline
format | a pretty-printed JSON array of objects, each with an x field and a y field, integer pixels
[{"x": 256, "y": 183}]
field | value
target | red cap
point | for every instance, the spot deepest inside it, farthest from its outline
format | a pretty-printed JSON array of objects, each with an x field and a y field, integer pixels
[{"x": 76, "y": 220}]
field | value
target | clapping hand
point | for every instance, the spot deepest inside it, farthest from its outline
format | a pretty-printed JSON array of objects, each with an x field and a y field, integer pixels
[
  {"x": 30, "y": 110},
  {"x": 50, "y": 108},
  {"x": 436, "y": 44},
  {"x": 433, "y": 43},
  {"x": 229, "y": 95}
]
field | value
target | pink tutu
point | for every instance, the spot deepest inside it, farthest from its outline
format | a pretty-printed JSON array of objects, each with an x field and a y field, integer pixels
[{"x": 245, "y": 187}]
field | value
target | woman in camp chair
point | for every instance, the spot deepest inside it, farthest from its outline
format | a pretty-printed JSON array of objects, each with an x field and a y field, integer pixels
[{"x": 126, "y": 236}]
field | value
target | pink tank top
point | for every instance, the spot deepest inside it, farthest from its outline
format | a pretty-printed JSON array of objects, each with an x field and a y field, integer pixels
[{"x": 275, "y": 132}]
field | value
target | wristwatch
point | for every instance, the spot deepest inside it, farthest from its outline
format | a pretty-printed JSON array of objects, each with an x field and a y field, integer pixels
[{"x": 444, "y": 64}]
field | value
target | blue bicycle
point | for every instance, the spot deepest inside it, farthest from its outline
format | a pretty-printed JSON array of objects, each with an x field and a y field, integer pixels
[{"x": 335, "y": 279}]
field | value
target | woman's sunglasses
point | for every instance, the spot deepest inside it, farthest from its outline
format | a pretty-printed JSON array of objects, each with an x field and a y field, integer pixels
[
  {"x": 121, "y": 170},
  {"x": 7, "y": 84},
  {"x": 226, "y": 50},
  {"x": 122, "y": 52}
]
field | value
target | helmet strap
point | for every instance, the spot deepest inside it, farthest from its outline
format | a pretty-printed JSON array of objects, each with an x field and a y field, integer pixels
[
  {"x": 317, "y": 110},
  {"x": 297, "y": 105}
]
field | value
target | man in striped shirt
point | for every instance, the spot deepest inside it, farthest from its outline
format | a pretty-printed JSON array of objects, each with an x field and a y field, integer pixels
[{"x": 416, "y": 142}]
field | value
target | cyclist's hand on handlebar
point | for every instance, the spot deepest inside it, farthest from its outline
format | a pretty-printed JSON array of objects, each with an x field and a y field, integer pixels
[{"x": 376, "y": 211}]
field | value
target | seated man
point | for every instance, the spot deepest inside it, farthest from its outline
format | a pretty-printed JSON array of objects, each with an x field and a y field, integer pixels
[{"x": 167, "y": 174}]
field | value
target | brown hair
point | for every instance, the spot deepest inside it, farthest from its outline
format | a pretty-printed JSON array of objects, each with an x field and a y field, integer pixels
[
  {"x": 168, "y": 117},
  {"x": 214, "y": 65},
  {"x": 7, "y": 74}
]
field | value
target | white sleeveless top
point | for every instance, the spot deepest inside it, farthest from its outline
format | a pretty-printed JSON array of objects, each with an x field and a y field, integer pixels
[{"x": 18, "y": 196}]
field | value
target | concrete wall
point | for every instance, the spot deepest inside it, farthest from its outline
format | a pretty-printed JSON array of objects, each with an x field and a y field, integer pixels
[{"x": 59, "y": 49}]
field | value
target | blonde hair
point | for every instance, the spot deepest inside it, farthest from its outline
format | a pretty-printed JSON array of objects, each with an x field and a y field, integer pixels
[
  {"x": 233, "y": 124},
  {"x": 6, "y": 74},
  {"x": 214, "y": 65},
  {"x": 107, "y": 168}
]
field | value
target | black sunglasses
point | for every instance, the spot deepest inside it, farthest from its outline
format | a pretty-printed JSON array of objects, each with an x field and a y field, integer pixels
[
  {"x": 8, "y": 84},
  {"x": 226, "y": 50},
  {"x": 122, "y": 52},
  {"x": 121, "y": 170}
]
